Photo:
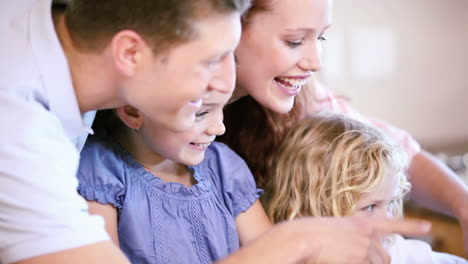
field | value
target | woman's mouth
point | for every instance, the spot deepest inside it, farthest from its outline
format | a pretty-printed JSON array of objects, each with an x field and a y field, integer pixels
[{"x": 290, "y": 86}]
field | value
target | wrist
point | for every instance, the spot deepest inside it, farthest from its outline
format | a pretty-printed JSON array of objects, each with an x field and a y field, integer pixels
[
  {"x": 460, "y": 209},
  {"x": 295, "y": 240},
  {"x": 306, "y": 238},
  {"x": 462, "y": 213}
]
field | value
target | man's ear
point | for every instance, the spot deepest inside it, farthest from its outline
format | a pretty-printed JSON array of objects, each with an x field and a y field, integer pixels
[
  {"x": 129, "y": 50},
  {"x": 130, "y": 116}
]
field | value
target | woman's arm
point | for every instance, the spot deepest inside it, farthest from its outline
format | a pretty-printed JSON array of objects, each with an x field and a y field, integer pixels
[
  {"x": 109, "y": 213},
  {"x": 252, "y": 223},
  {"x": 437, "y": 187}
]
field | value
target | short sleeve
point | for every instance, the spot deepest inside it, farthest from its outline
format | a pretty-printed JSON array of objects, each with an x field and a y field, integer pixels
[
  {"x": 101, "y": 173},
  {"x": 232, "y": 177},
  {"x": 40, "y": 210},
  {"x": 328, "y": 101}
]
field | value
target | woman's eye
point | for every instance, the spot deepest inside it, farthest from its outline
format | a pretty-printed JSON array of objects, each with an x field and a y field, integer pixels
[
  {"x": 201, "y": 113},
  {"x": 322, "y": 38},
  {"x": 294, "y": 44}
]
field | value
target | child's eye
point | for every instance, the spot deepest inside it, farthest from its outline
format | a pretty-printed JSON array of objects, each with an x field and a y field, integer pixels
[
  {"x": 369, "y": 208},
  {"x": 201, "y": 113},
  {"x": 294, "y": 44}
]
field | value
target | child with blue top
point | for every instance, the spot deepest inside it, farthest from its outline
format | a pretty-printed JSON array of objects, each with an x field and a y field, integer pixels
[{"x": 171, "y": 197}]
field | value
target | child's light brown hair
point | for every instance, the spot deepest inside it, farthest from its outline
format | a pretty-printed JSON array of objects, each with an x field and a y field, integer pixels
[{"x": 324, "y": 165}]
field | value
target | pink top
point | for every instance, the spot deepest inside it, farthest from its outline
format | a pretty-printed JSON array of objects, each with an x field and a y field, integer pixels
[{"x": 326, "y": 100}]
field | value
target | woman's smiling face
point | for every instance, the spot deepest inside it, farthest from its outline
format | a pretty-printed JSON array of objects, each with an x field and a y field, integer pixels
[{"x": 279, "y": 49}]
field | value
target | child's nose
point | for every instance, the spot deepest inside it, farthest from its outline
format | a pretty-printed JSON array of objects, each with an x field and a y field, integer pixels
[{"x": 217, "y": 127}]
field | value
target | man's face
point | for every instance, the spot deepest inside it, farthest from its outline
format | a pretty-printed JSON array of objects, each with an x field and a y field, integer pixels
[{"x": 172, "y": 88}]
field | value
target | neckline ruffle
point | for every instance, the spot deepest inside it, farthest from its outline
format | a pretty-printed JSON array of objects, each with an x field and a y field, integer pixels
[{"x": 201, "y": 188}]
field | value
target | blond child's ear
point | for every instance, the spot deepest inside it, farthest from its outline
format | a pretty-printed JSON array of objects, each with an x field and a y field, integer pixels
[{"x": 130, "y": 116}]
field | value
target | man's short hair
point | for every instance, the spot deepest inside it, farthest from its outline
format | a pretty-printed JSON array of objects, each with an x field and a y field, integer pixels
[{"x": 162, "y": 23}]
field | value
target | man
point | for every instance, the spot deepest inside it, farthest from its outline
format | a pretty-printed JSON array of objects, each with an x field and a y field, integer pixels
[{"x": 57, "y": 64}]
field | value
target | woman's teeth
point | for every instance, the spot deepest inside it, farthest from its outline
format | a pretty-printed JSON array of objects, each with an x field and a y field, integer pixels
[{"x": 292, "y": 84}]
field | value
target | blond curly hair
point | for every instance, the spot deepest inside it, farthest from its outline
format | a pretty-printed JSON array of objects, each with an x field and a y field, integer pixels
[{"x": 324, "y": 165}]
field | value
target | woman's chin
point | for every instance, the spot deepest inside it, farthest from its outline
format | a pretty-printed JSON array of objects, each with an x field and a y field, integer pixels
[
  {"x": 282, "y": 107},
  {"x": 277, "y": 104}
]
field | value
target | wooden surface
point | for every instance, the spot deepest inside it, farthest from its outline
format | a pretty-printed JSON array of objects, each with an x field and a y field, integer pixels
[{"x": 446, "y": 235}]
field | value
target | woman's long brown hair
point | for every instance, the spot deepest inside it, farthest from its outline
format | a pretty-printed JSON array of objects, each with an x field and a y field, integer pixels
[{"x": 255, "y": 132}]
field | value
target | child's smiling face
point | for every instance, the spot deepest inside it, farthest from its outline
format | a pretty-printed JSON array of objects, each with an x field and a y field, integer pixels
[{"x": 188, "y": 147}]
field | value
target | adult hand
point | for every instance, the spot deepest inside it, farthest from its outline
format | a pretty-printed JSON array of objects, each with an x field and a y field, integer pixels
[
  {"x": 325, "y": 240},
  {"x": 351, "y": 239}
]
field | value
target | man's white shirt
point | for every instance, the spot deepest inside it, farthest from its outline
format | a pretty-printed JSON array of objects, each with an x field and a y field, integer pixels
[{"x": 41, "y": 134}]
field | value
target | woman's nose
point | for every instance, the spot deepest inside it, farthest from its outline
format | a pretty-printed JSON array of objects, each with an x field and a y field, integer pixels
[{"x": 312, "y": 58}]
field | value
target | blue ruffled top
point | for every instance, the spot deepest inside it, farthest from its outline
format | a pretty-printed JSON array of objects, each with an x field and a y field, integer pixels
[{"x": 167, "y": 222}]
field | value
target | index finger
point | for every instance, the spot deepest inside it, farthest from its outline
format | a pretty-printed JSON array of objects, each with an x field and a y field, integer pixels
[{"x": 409, "y": 227}]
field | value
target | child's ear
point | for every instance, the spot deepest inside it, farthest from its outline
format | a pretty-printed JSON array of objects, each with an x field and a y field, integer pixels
[{"x": 130, "y": 116}]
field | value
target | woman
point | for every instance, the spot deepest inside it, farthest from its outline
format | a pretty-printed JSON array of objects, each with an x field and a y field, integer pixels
[{"x": 279, "y": 50}]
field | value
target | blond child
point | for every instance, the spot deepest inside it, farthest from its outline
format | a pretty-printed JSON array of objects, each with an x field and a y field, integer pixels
[{"x": 331, "y": 165}]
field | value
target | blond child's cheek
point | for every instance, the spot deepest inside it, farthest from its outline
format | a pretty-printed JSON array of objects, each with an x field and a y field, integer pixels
[
  {"x": 388, "y": 241},
  {"x": 362, "y": 213}
]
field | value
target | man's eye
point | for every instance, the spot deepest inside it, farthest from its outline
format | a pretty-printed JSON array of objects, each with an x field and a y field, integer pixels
[
  {"x": 213, "y": 63},
  {"x": 216, "y": 61},
  {"x": 201, "y": 113}
]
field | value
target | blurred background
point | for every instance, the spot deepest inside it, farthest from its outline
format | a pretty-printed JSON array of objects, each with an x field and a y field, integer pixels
[{"x": 406, "y": 62}]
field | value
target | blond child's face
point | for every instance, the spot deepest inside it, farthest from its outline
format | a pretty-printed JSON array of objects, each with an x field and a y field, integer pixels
[
  {"x": 380, "y": 201},
  {"x": 188, "y": 147}
]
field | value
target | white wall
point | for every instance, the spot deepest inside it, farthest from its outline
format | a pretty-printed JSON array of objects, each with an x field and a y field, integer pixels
[{"x": 404, "y": 61}]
